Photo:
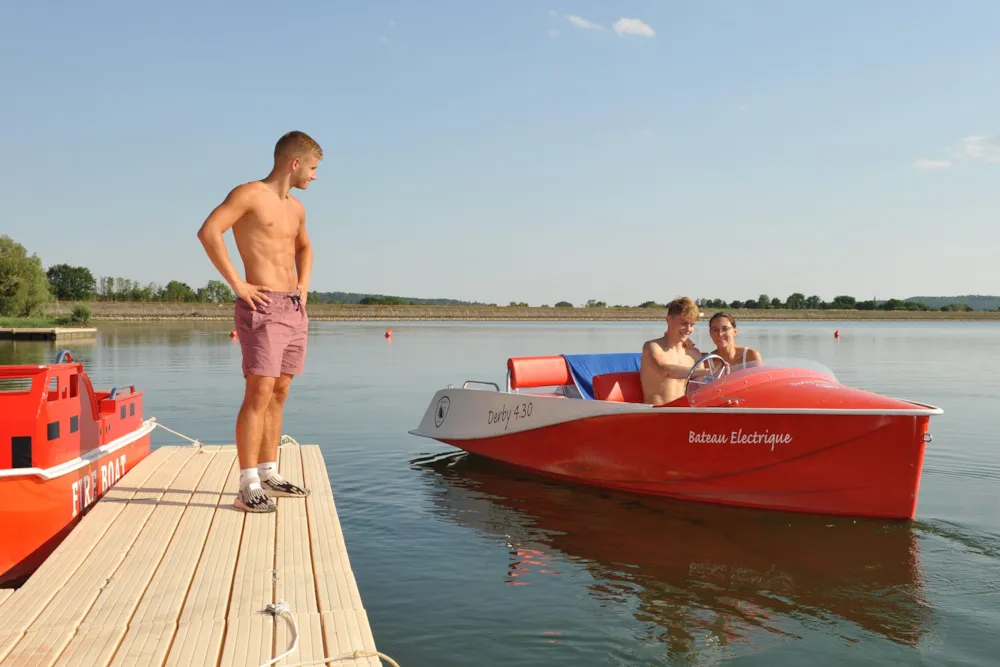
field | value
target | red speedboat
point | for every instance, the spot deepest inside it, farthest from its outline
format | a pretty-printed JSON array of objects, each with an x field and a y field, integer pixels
[
  {"x": 63, "y": 444},
  {"x": 786, "y": 435}
]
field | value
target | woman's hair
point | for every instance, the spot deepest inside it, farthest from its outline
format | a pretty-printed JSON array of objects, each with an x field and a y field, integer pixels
[{"x": 725, "y": 315}]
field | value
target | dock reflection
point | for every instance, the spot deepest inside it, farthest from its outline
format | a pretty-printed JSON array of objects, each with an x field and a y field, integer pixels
[{"x": 691, "y": 569}]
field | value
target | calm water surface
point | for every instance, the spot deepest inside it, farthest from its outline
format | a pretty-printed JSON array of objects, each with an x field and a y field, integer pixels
[{"x": 462, "y": 562}]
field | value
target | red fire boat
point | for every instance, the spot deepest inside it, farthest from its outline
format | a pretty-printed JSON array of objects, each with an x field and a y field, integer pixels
[
  {"x": 786, "y": 435},
  {"x": 63, "y": 444}
]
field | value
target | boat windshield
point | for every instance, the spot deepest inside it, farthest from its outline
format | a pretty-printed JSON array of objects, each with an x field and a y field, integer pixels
[
  {"x": 784, "y": 363},
  {"x": 756, "y": 368}
]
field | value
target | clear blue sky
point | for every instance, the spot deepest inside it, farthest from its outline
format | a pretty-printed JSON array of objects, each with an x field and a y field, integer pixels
[{"x": 521, "y": 150}]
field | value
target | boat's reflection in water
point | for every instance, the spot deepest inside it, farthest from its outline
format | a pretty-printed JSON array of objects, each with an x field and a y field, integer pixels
[{"x": 695, "y": 570}]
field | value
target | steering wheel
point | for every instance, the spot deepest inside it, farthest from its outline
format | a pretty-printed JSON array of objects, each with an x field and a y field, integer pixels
[{"x": 712, "y": 373}]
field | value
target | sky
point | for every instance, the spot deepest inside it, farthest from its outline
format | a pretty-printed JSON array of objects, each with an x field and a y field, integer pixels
[{"x": 524, "y": 150}]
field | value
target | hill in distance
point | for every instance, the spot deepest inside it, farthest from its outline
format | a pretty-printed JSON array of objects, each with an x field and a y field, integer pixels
[
  {"x": 974, "y": 301},
  {"x": 357, "y": 298}
]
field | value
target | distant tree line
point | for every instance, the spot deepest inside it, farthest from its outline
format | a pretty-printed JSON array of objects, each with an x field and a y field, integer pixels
[
  {"x": 26, "y": 287},
  {"x": 77, "y": 283},
  {"x": 799, "y": 301}
]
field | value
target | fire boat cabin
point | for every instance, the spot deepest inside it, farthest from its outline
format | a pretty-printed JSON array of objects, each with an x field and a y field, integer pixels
[{"x": 63, "y": 444}]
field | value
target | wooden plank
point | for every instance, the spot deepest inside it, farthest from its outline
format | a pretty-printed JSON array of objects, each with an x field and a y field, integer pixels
[
  {"x": 163, "y": 600},
  {"x": 49, "y": 633},
  {"x": 343, "y": 618},
  {"x": 197, "y": 643},
  {"x": 107, "y": 622},
  {"x": 202, "y": 625},
  {"x": 155, "y": 622},
  {"x": 295, "y": 580},
  {"x": 44, "y": 333},
  {"x": 5, "y": 593},
  {"x": 164, "y": 571},
  {"x": 348, "y": 631},
  {"x": 249, "y": 633},
  {"x": 311, "y": 645},
  {"x": 337, "y": 588},
  {"x": 52, "y": 576}
]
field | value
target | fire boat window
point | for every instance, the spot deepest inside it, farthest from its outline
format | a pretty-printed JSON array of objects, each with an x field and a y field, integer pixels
[
  {"x": 15, "y": 385},
  {"x": 74, "y": 386},
  {"x": 54, "y": 389}
]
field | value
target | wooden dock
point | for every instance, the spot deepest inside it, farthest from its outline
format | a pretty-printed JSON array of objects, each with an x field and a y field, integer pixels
[
  {"x": 164, "y": 571},
  {"x": 45, "y": 333}
]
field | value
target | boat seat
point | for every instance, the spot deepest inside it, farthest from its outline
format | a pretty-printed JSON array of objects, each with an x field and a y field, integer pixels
[
  {"x": 536, "y": 372},
  {"x": 623, "y": 387}
]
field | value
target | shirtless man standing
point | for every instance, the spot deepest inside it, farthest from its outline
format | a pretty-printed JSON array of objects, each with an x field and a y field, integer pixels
[
  {"x": 667, "y": 360},
  {"x": 269, "y": 226}
]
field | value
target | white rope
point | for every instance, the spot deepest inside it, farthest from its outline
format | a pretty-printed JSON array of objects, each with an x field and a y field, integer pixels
[
  {"x": 282, "y": 609},
  {"x": 285, "y": 441},
  {"x": 179, "y": 435}
]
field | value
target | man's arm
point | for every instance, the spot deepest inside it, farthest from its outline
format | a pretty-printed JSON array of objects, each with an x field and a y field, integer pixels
[
  {"x": 218, "y": 222},
  {"x": 303, "y": 258},
  {"x": 236, "y": 204},
  {"x": 667, "y": 370}
]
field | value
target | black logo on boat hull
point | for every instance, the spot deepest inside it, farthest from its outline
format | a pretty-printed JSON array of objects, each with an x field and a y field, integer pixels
[{"x": 441, "y": 411}]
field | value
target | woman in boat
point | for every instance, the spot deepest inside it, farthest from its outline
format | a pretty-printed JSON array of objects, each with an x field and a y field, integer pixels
[{"x": 722, "y": 328}]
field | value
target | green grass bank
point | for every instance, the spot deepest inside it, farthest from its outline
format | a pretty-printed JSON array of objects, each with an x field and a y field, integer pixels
[{"x": 163, "y": 311}]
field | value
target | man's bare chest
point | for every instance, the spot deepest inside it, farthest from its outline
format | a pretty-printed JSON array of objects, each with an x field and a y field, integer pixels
[{"x": 275, "y": 221}]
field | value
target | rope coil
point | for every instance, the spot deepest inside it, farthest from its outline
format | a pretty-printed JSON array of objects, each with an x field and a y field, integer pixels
[{"x": 277, "y": 609}]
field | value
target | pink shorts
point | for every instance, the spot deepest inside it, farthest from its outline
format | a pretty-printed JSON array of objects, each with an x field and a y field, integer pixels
[{"x": 273, "y": 337}]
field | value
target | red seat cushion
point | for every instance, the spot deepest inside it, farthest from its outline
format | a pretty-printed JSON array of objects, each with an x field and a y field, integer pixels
[
  {"x": 534, "y": 372},
  {"x": 624, "y": 387}
]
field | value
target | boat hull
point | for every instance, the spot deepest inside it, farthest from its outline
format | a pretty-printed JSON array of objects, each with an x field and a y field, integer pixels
[
  {"x": 841, "y": 462},
  {"x": 41, "y": 511}
]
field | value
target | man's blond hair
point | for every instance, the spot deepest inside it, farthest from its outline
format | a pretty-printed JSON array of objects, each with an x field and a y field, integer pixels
[
  {"x": 296, "y": 144},
  {"x": 683, "y": 306}
]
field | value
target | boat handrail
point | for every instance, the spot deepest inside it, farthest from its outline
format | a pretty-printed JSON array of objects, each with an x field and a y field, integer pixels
[
  {"x": 64, "y": 357},
  {"x": 468, "y": 382},
  {"x": 114, "y": 391}
]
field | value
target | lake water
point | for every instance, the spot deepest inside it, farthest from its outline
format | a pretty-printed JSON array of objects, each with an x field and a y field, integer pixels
[{"x": 462, "y": 562}]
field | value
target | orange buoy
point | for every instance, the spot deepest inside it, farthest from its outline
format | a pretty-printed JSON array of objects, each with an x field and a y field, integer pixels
[
  {"x": 232, "y": 334},
  {"x": 836, "y": 334},
  {"x": 388, "y": 334}
]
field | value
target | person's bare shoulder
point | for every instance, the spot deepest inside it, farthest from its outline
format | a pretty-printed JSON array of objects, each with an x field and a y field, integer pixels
[
  {"x": 241, "y": 200},
  {"x": 249, "y": 189},
  {"x": 653, "y": 350}
]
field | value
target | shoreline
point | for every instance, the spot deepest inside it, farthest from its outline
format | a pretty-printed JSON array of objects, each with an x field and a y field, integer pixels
[{"x": 103, "y": 311}]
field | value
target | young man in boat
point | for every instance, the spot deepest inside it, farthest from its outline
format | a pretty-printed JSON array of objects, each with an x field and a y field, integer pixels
[
  {"x": 269, "y": 226},
  {"x": 666, "y": 361}
]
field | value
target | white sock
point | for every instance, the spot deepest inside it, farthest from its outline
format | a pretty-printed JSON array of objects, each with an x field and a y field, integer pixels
[
  {"x": 267, "y": 470},
  {"x": 249, "y": 478}
]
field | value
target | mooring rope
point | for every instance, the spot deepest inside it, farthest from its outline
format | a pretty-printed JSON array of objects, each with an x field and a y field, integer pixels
[
  {"x": 285, "y": 441},
  {"x": 282, "y": 609},
  {"x": 157, "y": 424}
]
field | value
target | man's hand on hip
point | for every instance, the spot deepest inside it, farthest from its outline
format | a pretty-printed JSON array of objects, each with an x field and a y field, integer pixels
[{"x": 252, "y": 294}]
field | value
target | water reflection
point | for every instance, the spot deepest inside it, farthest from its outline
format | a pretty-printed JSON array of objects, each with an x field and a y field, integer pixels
[{"x": 690, "y": 570}]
